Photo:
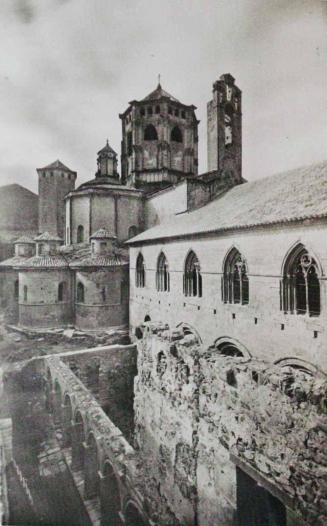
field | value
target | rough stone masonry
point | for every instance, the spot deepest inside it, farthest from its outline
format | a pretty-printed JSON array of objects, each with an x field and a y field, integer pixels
[{"x": 202, "y": 417}]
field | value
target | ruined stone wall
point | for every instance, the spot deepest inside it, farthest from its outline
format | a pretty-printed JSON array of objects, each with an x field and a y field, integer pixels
[
  {"x": 200, "y": 414},
  {"x": 265, "y": 330},
  {"x": 108, "y": 372}
]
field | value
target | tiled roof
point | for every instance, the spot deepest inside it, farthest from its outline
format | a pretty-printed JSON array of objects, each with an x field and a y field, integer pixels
[
  {"x": 110, "y": 260},
  {"x": 47, "y": 237},
  {"x": 15, "y": 261},
  {"x": 294, "y": 195},
  {"x": 46, "y": 261},
  {"x": 25, "y": 239},
  {"x": 102, "y": 233},
  {"x": 57, "y": 165},
  {"x": 158, "y": 94}
]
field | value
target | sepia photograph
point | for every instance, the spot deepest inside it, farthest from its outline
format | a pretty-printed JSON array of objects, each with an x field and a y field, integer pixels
[{"x": 163, "y": 262}]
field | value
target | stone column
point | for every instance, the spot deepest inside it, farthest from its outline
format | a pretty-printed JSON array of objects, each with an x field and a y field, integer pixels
[
  {"x": 77, "y": 446},
  {"x": 56, "y": 409},
  {"x": 66, "y": 425},
  {"x": 91, "y": 481},
  {"x": 109, "y": 507}
]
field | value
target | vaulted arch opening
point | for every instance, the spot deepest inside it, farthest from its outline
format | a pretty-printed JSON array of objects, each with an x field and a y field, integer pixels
[
  {"x": 78, "y": 439},
  {"x": 109, "y": 496},
  {"x": 132, "y": 516},
  {"x": 176, "y": 134},
  {"x": 57, "y": 403},
  {"x": 150, "y": 133},
  {"x": 67, "y": 417},
  {"x": 91, "y": 479}
]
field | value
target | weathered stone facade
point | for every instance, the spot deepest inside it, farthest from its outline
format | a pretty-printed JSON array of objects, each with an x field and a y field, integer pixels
[{"x": 201, "y": 416}]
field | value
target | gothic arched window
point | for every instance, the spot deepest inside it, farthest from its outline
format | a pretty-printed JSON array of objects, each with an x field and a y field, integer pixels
[
  {"x": 235, "y": 281},
  {"x": 80, "y": 293},
  {"x": 300, "y": 287},
  {"x": 25, "y": 291},
  {"x": 140, "y": 271},
  {"x": 162, "y": 277},
  {"x": 80, "y": 234},
  {"x": 176, "y": 134},
  {"x": 150, "y": 133},
  {"x": 192, "y": 276}
]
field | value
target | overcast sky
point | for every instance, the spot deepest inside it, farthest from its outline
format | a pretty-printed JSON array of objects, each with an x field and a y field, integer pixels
[{"x": 69, "y": 67}]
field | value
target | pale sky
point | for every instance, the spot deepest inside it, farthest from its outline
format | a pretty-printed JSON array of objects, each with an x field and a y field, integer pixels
[{"x": 69, "y": 67}]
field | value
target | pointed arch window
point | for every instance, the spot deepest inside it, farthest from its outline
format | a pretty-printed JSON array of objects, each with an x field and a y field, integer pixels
[
  {"x": 25, "y": 292},
  {"x": 235, "y": 281},
  {"x": 150, "y": 133},
  {"x": 162, "y": 276},
  {"x": 80, "y": 293},
  {"x": 80, "y": 234},
  {"x": 176, "y": 134},
  {"x": 300, "y": 287},
  {"x": 192, "y": 276},
  {"x": 140, "y": 271}
]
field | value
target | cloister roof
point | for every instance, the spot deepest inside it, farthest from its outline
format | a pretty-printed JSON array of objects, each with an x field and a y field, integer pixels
[
  {"x": 24, "y": 239},
  {"x": 285, "y": 197},
  {"x": 46, "y": 261}
]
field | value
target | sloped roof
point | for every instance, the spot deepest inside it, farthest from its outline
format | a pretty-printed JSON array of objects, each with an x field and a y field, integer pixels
[
  {"x": 46, "y": 261},
  {"x": 57, "y": 165},
  {"x": 45, "y": 236},
  {"x": 102, "y": 233},
  {"x": 158, "y": 94},
  {"x": 289, "y": 196},
  {"x": 25, "y": 239},
  {"x": 15, "y": 261},
  {"x": 110, "y": 260}
]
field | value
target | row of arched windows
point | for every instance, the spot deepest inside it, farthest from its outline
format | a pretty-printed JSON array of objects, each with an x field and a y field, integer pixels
[
  {"x": 299, "y": 286},
  {"x": 157, "y": 110},
  {"x": 150, "y": 134}
]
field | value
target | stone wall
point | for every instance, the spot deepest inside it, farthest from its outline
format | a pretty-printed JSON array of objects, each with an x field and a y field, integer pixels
[
  {"x": 105, "y": 299},
  {"x": 8, "y": 298},
  {"x": 200, "y": 416},
  {"x": 42, "y": 308},
  {"x": 260, "y": 326},
  {"x": 116, "y": 210}
]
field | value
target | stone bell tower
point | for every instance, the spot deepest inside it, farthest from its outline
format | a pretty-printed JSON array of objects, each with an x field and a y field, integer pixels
[
  {"x": 55, "y": 181},
  {"x": 159, "y": 141},
  {"x": 225, "y": 130}
]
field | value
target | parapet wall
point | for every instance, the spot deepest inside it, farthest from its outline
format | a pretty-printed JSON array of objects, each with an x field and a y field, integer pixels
[{"x": 200, "y": 417}]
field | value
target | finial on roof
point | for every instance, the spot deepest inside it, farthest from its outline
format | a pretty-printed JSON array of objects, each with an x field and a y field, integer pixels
[
  {"x": 159, "y": 77},
  {"x": 107, "y": 142}
]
